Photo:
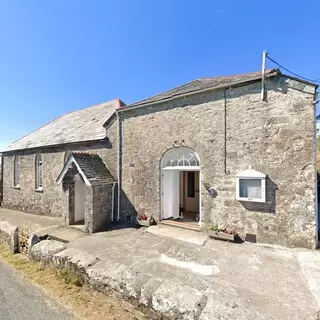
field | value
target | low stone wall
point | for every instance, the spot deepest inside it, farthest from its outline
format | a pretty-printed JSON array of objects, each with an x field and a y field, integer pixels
[
  {"x": 9, "y": 234},
  {"x": 155, "y": 297}
]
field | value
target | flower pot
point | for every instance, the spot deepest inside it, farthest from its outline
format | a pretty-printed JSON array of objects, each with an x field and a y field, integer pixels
[
  {"x": 144, "y": 223},
  {"x": 221, "y": 235}
]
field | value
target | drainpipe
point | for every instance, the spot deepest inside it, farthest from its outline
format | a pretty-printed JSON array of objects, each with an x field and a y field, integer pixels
[
  {"x": 263, "y": 74},
  {"x": 112, "y": 204},
  {"x": 225, "y": 131},
  {"x": 119, "y": 164}
]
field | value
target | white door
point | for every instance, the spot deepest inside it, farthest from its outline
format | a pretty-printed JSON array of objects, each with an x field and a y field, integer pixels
[
  {"x": 170, "y": 194},
  {"x": 79, "y": 200}
]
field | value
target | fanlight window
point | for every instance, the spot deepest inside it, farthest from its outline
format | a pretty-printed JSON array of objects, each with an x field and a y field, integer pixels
[{"x": 180, "y": 157}]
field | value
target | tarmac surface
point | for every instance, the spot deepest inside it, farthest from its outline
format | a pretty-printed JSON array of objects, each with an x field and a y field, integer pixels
[{"x": 20, "y": 300}]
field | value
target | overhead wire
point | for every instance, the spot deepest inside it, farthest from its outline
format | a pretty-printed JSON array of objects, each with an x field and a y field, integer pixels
[{"x": 295, "y": 74}]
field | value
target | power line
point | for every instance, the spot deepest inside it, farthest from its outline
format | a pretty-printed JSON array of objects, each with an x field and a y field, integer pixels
[{"x": 298, "y": 76}]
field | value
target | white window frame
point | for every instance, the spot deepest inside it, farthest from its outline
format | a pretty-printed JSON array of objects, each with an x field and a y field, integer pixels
[
  {"x": 16, "y": 172},
  {"x": 38, "y": 172},
  {"x": 251, "y": 175}
]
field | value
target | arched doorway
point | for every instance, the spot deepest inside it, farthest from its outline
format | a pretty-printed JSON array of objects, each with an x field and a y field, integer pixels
[{"x": 180, "y": 186}]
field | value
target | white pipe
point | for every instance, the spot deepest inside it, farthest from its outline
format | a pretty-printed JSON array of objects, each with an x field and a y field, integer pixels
[
  {"x": 263, "y": 74},
  {"x": 112, "y": 205}
]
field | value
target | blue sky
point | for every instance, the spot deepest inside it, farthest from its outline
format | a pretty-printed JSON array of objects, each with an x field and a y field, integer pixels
[{"x": 59, "y": 56}]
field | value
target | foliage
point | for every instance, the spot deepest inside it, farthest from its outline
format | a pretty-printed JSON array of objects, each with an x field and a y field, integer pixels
[
  {"x": 217, "y": 229},
  {"x": 70, "y": 276}
]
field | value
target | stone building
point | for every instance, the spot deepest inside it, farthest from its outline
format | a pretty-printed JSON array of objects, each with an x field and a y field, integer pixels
[{"x": 210, "y": 152}]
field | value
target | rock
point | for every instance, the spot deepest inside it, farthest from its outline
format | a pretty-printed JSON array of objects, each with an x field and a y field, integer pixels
[
  {"x": 45, "y": 250},
  {"x": 217, "y": 309},
  {"x": 77, "y": 258},
  {"x": 176, "y": 300},
  {"x": 9, "y": 234},
  {"x": 147, "y": 291},
  {"x": 119, "y": 277}
]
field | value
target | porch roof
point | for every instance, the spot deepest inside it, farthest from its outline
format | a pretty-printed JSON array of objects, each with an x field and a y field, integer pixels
[{"x": 90, "y": 167}]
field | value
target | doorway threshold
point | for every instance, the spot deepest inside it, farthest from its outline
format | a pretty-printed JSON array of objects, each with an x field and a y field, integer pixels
[{"x": 181, "y": 224}]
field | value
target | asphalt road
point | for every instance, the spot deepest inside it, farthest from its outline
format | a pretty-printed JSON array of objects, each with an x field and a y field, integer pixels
[{"x": 20, "y": 300}]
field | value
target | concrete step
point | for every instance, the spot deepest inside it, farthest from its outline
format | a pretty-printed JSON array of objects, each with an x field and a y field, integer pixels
[
  {"x": 195, "y": 237},
  {"x": 66, "y": 234}
]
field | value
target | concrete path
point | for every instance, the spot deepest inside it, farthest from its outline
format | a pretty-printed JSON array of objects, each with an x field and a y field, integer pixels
[
  {"x": 20, "y": 300},
  {"x": 213, "y": 280},
  {"x": 219, "y": 280},
  {"x": 32, "y": 222}
]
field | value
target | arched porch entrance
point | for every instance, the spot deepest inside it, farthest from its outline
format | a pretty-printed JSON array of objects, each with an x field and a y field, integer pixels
[{"x": 180, "y": 186}]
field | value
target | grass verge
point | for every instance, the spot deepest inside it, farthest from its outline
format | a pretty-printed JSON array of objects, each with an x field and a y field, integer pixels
[{"x": 65, "y": 287}]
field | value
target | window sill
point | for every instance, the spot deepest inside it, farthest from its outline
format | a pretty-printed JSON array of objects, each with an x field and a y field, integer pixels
[
  {"x": 40, "y": 190},
  {"x": 16, "y": 187},
  {"x": 251, "y": 200}
]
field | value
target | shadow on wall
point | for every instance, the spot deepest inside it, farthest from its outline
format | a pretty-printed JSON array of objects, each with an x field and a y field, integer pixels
[
  {"x": 128, "y": 215},
  {"x": 270, "y": 205}
]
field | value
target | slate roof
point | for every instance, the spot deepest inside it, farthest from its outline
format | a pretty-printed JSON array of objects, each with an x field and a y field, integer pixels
[
  {"x": 81, "y": 125},
  {"x": 205, "y": 83},
  {"x": 92, "y": 167}
]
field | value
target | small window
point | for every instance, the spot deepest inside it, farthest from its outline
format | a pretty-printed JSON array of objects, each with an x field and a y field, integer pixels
[
  {"x": 251, "y": 186},
  {"x": 38, "y": 172},
  {"x": 16, "y": 172}
]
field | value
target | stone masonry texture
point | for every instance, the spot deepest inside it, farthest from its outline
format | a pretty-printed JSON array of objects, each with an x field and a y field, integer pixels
[
  {"x": 53, "y": 200},
  {"x": 230, "y": 130},
  {"x": 275, "y": 137}
]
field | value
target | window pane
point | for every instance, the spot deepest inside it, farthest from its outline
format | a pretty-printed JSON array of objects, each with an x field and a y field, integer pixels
[
  {"x": 16, "y": 175},
  {"x": 38, "y": 171},
  {"x": 250, "y": 188},
  {"x": 191, "y": 189},
  {"x": 40, "y": 175}
]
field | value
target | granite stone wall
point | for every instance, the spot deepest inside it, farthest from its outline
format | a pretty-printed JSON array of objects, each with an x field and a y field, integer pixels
[
  {"x": 54, "y": 199},
  {"x": 232, "y": 130}
]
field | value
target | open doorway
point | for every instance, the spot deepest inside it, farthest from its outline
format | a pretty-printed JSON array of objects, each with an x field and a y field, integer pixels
[
  {"x": 79, "y": 201},
  {"x": 189, "y": 196},
  {"x": 180, "y": 188}
]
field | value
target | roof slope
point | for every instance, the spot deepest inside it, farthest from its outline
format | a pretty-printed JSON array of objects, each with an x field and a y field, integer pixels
[
  {"x": 94, "y": 168},
  {"x": 205, "y": 83},
  {"x": 90, "y": 166},
  {"x": 81, "y": 125}
]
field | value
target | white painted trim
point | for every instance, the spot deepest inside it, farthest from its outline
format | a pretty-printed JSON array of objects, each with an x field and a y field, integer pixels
[
  {"x": 250, "y": 173},
  {"x": 182, "y": 168},
  {"x": 263, "y": 189},
  {"x": 66, "y": 167},
  {"x": 200, "y": 211}
]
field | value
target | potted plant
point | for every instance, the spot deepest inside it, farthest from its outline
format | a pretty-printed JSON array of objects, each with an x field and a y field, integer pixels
[
  {"x": 216, "y": 232},
  {"x": 143, "y": 220}
]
